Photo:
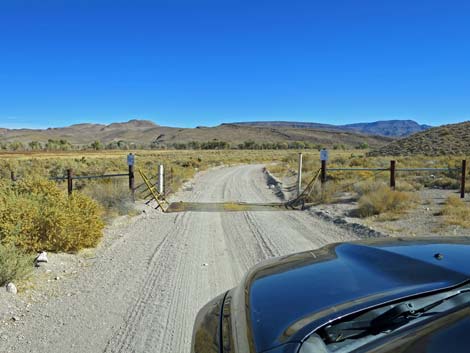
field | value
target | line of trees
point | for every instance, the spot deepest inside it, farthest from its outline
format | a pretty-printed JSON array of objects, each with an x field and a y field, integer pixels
[
  {"x": 252, "y": 145},
  {"x": 247, "y": 145},
  {"x": 50, "y": 145},
  {"x": 64, "y": 145}
]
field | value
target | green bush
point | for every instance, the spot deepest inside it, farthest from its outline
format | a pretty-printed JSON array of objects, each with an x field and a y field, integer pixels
[
  {"x": 35, "y": 215},
  {"x": 14, "y": 264}
]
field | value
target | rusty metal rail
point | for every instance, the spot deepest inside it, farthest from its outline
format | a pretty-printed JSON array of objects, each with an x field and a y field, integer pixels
[
  {"x": 90, "y": 176},
  {"x": 396, "y": 169}
]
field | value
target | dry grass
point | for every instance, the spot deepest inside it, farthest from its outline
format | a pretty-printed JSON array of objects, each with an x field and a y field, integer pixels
[
  {"x": 113, "y": 195},
  {"x": 323, "y": 193},
  {"x": 379, "y": 199},
  {"x": 407, "y": 186},
  {"x": 14, "y": 264},
  {"x": 456, "y": 212}
]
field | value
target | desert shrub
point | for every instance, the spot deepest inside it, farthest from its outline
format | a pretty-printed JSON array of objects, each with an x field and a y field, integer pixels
[
  {"x": 407, "y": 186},
  {"x": 442, "y": 183},
  {"x": 14, "y": 264},
  {"x": 456, "y": 212},
  {"x": 366, "y": 187},
  {"x": 35, "y": 214},
  {"x": 113, "y": 195},
  {"x": 323, "y": 193},
  {"x": 379, "y": 199}
]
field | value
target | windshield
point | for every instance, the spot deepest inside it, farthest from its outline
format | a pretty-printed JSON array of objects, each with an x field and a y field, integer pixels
[{"x": 350, "y": 333}]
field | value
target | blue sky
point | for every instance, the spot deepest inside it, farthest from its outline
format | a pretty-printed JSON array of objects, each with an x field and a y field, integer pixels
[{"x": 204, "y": 62}]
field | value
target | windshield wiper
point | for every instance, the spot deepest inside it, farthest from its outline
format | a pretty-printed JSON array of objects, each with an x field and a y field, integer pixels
[{"x": 390, "y": 319}]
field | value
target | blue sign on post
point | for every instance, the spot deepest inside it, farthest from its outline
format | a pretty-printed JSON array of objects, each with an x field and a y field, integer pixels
[
  {"x": 324, "y": 154},
  {"x": 130, "y": 159}
]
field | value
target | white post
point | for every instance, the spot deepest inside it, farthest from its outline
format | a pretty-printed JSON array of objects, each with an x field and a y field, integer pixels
[
  {"x": 299, "y": 176},
  {"x": 160, "y": 179}
]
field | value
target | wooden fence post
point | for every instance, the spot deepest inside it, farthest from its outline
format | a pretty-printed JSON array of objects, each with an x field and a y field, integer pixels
[
  {"x": 168, "y": 185},
  {"x": 12, "y": 176},
  {"x": 323, "y": 171},
  {"x": 392, "y": 174},
  {"x": 132, "y": 182},
  {"x": 462, "y": 179},
  {"x": 69, "y": 181}
]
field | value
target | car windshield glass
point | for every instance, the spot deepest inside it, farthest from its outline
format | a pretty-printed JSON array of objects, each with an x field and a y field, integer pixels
[{"x": 355, "y": 331}]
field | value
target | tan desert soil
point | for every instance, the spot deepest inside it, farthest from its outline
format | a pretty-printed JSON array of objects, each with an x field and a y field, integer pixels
[
  {"x": 422, "y": 220},
  {"x": 141, "y": 289}
]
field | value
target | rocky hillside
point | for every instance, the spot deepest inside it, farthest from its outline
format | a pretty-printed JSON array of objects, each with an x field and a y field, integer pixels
[
  {"x": 144, "y": 132},
  {"x": 390, "y": 128},
  {"x": 449, "y": 139},
  {"x": 395, "y": 128}
]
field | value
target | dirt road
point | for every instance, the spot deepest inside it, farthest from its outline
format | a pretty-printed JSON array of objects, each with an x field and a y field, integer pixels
[{"x": 142, "y": 290}]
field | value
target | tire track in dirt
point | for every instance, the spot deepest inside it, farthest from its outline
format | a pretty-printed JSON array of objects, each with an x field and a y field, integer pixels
[
  {"x": 267, "y": 248},
  {"x": 122, "y": 340},
  {"x": 143, "y": 291}
]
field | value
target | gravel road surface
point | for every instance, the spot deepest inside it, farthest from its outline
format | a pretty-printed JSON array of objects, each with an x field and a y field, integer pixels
[{"x": 142, "y": 289}]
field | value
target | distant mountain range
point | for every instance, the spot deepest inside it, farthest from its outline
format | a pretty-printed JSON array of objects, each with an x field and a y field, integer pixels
[
  {"x": 143, "y": 132},
  {"x": 452, "y": 139},
  {"x": 389, "y": 128},
  {"x": 383, "y": 137}
]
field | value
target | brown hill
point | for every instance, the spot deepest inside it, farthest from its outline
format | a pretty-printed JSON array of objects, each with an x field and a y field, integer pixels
[
  {"x": 443, "y": 140},
  {"x": 146, "y": 132}
]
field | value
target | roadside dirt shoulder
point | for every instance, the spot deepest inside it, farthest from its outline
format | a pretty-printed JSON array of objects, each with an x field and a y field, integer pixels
[{"x": 423, "y": 220}]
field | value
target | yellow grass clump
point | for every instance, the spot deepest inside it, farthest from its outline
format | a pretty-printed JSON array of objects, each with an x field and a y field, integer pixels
[
  {"x": 456, "y": 212},
  {"x": 378, "y": 198}
]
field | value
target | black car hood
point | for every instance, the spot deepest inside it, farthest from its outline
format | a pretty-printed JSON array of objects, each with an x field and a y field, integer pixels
[{"x": 287, "y": 298}]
